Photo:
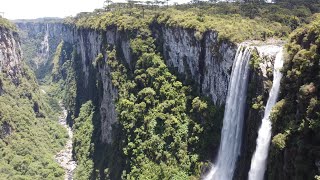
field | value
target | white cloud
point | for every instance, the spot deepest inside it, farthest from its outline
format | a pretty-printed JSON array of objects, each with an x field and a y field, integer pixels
[{"x": 31, "y": 9}]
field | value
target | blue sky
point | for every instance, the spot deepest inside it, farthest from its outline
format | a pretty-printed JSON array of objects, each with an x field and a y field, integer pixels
[{"x": 30, "y": 9}]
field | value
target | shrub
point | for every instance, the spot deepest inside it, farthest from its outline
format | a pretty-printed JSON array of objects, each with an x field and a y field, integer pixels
[{"x": 279, "y": 141}]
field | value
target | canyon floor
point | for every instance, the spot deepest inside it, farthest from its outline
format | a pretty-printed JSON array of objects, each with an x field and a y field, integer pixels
[{"x": 64, "y": 157}]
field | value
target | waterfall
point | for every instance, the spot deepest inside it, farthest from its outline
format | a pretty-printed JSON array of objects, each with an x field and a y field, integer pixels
[
  {"x": 46, "y": 42},
  {"x": 231, "y": 135},
  {"x": 44, "y": 49},
  {"x": 258, "y": 161}
]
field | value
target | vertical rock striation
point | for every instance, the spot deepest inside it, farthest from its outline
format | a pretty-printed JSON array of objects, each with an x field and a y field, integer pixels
[
  {"x": 204, "y": 60},
  {"x": 10, "y": 55}
]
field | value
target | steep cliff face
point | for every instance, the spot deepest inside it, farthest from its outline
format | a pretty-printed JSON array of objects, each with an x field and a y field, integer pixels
[
  {"x": 88, "y": 47},
  {"x": 201, "y": 58},
  {"x": 10, "y": 67},
  {"x": 10, "y": 54},
  {"x": 39, "y": 43},
  {"x": 208, "y": 65}
]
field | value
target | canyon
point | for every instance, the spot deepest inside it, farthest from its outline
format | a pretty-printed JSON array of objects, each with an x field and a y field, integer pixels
[{"x": 157, "y": 99}]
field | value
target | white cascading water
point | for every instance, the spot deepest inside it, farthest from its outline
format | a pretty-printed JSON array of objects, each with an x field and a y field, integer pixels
[
  {"x": 258, "y": 161},
  {"x": 44, "y": 49},
  {"x": 231, "y": 135}
]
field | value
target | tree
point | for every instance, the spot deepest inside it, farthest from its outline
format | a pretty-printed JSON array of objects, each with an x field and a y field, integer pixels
[
  {"x": 148, "y": 3},
  {"x": 195, "y": 1},
  {"x": 107, "y": 3},
  {"x": 156, "y": 2},
  {"x": 167, "y": 3},
  {"x": 162, "y": 2}
]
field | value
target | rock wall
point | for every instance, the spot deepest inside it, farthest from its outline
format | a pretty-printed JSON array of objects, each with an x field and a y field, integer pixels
[
  {"x": 89, "y": 45},
  {"x": 10, "y": 54},
  {"x": 40, "y": 41},
  {"x": 5, "y": 130},
  {"x": 204, "y": 60}
]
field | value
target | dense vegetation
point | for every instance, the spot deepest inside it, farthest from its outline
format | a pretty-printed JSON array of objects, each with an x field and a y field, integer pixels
[
  {"x": 160, "y": 137},
  {"x": 234, "y": 21},
  {"x": 82, "y": 141},
  {"x": 296, "y": 119},
  {"x": 36, "y": 136}
]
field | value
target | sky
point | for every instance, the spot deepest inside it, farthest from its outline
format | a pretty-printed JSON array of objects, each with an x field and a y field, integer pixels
[{"x": 31, "y": 9}]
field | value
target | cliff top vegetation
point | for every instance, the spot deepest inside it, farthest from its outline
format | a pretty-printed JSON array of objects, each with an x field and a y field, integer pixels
[
  {"x": 7, "y": 24},
  {"x": 39, "y": 20},
  {"x": 233, "y": 21}
]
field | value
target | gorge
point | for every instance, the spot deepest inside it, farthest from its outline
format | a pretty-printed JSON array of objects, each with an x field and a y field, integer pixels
[{"x": 167, "y": 94}]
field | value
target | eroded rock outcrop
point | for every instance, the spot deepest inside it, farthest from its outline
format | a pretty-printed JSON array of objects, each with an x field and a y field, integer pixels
[
  {"x": 5, "y": 130},
  {"x": 10, "y": 54}
]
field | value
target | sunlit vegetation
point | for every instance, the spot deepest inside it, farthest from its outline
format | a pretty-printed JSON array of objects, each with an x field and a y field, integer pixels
[
  {"x": 56, "y": 61},
  {"x": 163, "y": 125},
  {"x": 234, "y": 21}
]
